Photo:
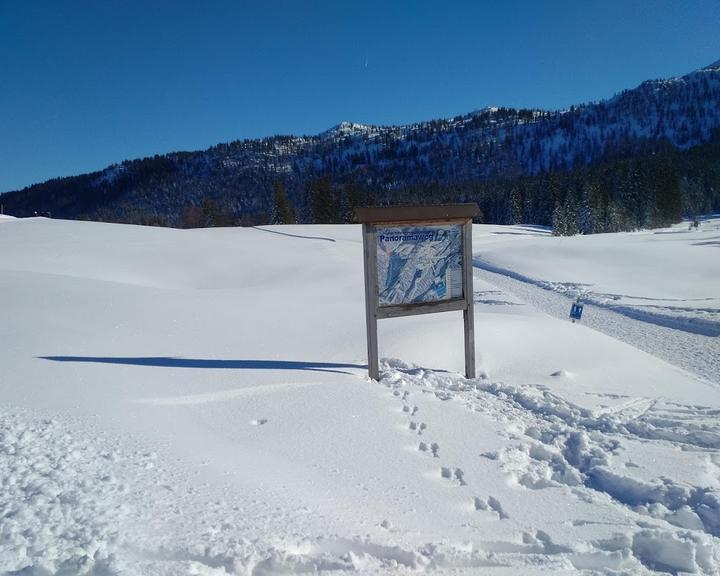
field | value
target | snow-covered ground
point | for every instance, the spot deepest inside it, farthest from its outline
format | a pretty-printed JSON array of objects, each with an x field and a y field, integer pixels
[
  {"x": 196, "y": 402},
  {"x": 659, "y": 276}
]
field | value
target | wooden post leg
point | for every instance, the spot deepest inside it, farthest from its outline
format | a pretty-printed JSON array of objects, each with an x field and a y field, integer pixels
[
  {"x": 469, "y": 321},
  {"x": 373, "y": 364},
  {"x": 369, "y": 248},
  {"x": 469, "y": 312}
]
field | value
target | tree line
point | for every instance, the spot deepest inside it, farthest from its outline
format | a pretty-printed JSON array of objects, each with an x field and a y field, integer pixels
[{"x": 654, "y": 189}]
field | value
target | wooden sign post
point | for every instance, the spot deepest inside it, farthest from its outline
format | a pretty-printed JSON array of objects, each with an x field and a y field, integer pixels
[{"x": 418, "y": 260}]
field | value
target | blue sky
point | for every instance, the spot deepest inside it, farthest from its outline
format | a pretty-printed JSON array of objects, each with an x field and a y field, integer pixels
[{"x": 85, "y": 83}]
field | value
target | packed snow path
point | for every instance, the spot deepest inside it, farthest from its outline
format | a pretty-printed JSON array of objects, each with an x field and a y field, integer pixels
[{"x": 696, "y": 353}]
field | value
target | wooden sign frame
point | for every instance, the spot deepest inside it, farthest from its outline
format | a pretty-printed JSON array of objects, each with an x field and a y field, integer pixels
[{"x": 372, "y": 219}]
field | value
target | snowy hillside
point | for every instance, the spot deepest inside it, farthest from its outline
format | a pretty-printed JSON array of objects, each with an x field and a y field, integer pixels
[
  {"x": 482, "y": 156},
  {"x": 196, "y": 402}
]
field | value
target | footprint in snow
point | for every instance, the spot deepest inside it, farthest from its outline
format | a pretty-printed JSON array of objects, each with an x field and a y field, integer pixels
[
  {"x": 433, "y": 448},
  {"x": 455, "y": 474},
  {"x": 412, "y": 410},
  {"x": 417, "y": 427},
  {"x": 491, "y": 504}
]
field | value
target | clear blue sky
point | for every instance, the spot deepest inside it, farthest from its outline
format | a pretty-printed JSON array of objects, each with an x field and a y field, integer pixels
[{"x": 84, "y": 83}]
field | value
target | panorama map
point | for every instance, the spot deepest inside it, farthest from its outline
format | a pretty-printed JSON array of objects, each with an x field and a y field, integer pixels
[{"x": 419, "y": 264}]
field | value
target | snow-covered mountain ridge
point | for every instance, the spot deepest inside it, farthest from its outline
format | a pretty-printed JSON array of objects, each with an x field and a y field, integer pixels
[{"x": 381, "y": 163}]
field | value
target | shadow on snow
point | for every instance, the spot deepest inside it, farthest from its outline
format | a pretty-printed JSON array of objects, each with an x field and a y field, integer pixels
[{"x": 175, "y": 362}]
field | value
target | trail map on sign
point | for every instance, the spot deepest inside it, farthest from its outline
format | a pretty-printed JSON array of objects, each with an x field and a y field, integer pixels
[{"x": 419, "y": 263}]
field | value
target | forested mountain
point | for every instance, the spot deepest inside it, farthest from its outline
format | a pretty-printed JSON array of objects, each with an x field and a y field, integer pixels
[{"x": 645, "y": 157}]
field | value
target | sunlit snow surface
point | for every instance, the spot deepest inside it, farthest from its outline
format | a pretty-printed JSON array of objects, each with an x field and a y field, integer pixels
[{"x": 195, "y": 402}]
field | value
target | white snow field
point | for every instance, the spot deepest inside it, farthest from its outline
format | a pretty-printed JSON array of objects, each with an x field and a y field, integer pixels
[{"x": 196, "y": 402}]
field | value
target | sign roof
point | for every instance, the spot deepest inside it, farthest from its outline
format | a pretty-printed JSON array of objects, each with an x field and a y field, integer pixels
[{"x": 416, "y": 213}]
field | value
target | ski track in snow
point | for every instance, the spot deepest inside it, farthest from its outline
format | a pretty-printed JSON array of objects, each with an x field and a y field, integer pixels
[{"x": 697, "y": 353}]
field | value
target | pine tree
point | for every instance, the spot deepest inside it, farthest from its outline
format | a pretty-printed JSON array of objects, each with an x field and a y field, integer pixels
[
  {"x": 667, "y": 191},
  {"x": 283, "y": 212},
  {"x": 516, "y": 206},
  {"x": 323, "y": 202},
  {"x": 558, "y": 220},
  {"x": 350, "y": 198},
  {"x": 214, "y": 216},
  {"x": 571, "y": 214}
]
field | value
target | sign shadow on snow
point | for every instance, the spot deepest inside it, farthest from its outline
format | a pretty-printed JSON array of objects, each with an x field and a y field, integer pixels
[{"x": 176, "y": 362}]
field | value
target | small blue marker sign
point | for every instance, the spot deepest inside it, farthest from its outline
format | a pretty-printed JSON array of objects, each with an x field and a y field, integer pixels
[{"x": 576, "y": 311}]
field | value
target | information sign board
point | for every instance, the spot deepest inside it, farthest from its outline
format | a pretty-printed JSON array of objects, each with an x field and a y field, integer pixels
[
  {"x": 418, "y": 259},
  {"x": 576, "y": 311}
]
